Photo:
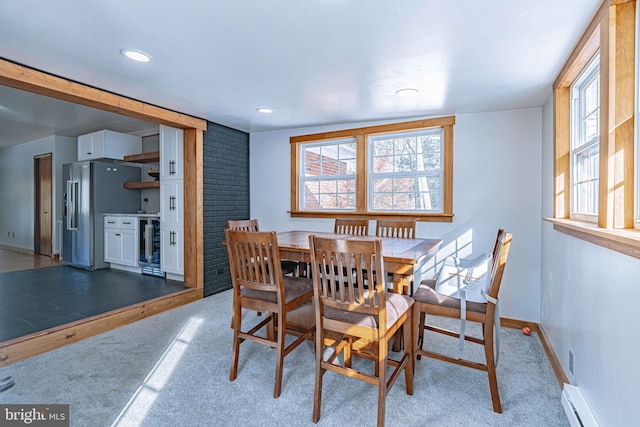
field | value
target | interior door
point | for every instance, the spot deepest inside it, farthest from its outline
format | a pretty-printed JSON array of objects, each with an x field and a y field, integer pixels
[{"x": 43, "y": 235}]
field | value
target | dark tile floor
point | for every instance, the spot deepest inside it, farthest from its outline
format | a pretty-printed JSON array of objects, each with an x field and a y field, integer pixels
[{"x": 35, "y": 300}]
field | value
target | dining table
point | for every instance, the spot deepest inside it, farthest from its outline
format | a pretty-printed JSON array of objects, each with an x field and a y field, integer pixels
[{"x": 404, "y": 258}]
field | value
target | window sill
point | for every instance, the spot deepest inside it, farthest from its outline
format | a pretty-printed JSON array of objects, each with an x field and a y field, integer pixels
[
  {"x": 439, "y": 217},
  {"x": 626, "y": 241}
]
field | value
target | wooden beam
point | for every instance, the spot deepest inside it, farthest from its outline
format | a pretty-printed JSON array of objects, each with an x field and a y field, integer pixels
[
  {"x": 562, "y": 163},
  {"x": 193, "y": 209},
  {"x": 31, "y": 80}
]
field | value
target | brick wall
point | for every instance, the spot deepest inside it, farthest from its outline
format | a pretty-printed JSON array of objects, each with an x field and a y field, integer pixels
[{"x": 226, "y": 196}]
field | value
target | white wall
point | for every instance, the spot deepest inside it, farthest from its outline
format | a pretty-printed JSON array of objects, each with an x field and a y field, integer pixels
[
  {"x": 589, "y": 305},
  {"x": 17, "y": 200},
  {"x": 497, "y": 176}
]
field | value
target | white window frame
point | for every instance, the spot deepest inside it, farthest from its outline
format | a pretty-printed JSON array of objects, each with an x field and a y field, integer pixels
[
  {"x": 372, "y": 176},
  {"x": 304, "y": 179},
  {"x": 586, "y": 77}
]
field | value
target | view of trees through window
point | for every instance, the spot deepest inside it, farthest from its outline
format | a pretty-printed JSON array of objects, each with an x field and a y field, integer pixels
[{"x": 406, "y": 171}]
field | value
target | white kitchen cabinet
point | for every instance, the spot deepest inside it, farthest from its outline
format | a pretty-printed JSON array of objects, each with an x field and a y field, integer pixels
[
  {"x": 107, "y": 144},
  {"x": 172, "y": 252},
  {"x": 121, "y": 245},
  {"x": 171, "y": 153},
  {"x": 172, "y": 202}
]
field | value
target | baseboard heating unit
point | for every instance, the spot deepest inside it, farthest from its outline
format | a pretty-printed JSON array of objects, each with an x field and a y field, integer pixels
[{"x": 578, "y": 412}]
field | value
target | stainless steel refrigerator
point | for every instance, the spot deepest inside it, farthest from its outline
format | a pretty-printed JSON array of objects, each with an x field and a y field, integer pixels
[{"x": 93, "y": 188}]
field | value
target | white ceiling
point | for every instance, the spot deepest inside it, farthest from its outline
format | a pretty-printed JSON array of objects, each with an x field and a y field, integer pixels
[{"x": 313, "y": 61}]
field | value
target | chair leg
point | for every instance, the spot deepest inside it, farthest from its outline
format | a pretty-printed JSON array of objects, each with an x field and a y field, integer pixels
[
  {"x": 381, "y": 373},
  {"x": 420, "y": 340},
  {"x": 277, "y": 388},
  {"x": 236, "y": 324},
  {"x": 317, "y": 389},
  {"x": 409, "y": 353},
  {"x": 491, "y": 367}
]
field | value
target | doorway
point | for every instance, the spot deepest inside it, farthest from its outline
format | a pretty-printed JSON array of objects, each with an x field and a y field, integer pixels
[{"x": 43, "y": 235}]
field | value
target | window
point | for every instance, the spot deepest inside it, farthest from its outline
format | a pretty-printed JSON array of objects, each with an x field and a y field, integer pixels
[
  {"x": 406, "y": 171},
  {"x": 329, "y": 178},
  {"x": 585, "y": 142},
  {"x": 395, "y": 170},
  {"x": 594, "y": 99}
]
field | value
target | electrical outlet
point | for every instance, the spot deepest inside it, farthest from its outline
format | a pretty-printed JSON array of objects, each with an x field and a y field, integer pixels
[{"x": 571, "y": 363}]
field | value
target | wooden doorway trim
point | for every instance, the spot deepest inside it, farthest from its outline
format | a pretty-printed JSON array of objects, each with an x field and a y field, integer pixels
[
  {"x": 25, "y": 78},
  {"x": 43, "y": 212}
]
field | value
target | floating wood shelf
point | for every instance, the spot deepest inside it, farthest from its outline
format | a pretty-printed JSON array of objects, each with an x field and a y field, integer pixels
[
  {"x": 141, "y": 185},
  {"x": 150, "y": 157}
]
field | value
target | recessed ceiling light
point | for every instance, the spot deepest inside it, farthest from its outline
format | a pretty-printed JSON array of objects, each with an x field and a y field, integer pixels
[
  {"x": 264, "y": 110},
  {"x": 136, "y": 55},
  {"x": 407, "y": 92}
]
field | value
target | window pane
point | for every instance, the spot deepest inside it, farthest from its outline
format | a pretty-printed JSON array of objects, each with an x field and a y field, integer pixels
[
  {"x": 382, "y": 164},
  {"x": 328, "y": 201},
  {"x": 346, "y": 201},
  {"x": 328, "y": 186},
  {"x": 312, "y": 169},
  {"x": 403, "y": 185},
  {"x": 382, "y": 201},
  {"x": 405, "y": 164},
  {"x": 404, "y": 201},
  {"x": 329, "y": 167},
  {"x": 382, "y": 147}
]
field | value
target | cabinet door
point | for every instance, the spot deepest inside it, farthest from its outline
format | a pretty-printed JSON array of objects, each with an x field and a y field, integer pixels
[
  {"x": 172, "y": 251},
  {"x": 112, "y": 245},
  {"x": 171, "y": 153},
  {"x": 91, "y": 146},
  {"x": 129, "y": 248},
  {"x": 172, "y": 203}
]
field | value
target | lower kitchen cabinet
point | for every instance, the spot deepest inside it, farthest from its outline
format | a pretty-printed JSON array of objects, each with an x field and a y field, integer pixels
[
  {"x": 172, "y": 252},
  {"x": 121, "y": 241}
]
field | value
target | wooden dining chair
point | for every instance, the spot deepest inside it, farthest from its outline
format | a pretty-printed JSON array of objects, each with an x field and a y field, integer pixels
[
  {"x": 354, "y": 227},
  {"x": 288, "y": 267},
  {"x": 429, "y": 302},
  {"x": 364, "y": 319},
  {"x": 396, "y": 228},
  {"x": 259, "y": 285},
  {"x": 404, "y": 229}
]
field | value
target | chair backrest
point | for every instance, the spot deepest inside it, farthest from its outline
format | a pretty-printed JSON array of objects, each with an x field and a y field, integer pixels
[
  {"x": 500, "y": 255},
  {"x": 243, "y": 225},
  {"x": 354, "y": 227},
  {"x": 340, "y": 267},
  {"x": 396, "y": 228},
  {"x": 254, "y": 260}
]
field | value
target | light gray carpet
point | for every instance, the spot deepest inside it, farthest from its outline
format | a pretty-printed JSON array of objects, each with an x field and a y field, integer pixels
[{"x": 173, "y": 370}]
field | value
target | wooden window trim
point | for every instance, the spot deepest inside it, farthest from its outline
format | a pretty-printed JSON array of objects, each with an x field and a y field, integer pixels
[
  {"x": 361, "y": 134},
  {"x": 612, "y": 31}
]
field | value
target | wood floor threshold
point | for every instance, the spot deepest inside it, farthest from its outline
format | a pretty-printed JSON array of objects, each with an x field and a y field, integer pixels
[{"x": 18, "y": 349}]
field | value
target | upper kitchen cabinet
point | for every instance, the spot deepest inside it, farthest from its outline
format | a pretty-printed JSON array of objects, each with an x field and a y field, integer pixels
[
  {"x": 107, "y": 144},
  {"x": 171, "y": 153}
]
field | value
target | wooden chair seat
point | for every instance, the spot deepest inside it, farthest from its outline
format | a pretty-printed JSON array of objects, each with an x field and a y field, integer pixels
[
  {"x": 426, "y": 293},
  {"x": 295, "y": 287}
]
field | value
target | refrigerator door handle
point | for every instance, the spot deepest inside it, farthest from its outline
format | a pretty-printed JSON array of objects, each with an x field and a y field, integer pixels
[{"x": 72, "y": 208}]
